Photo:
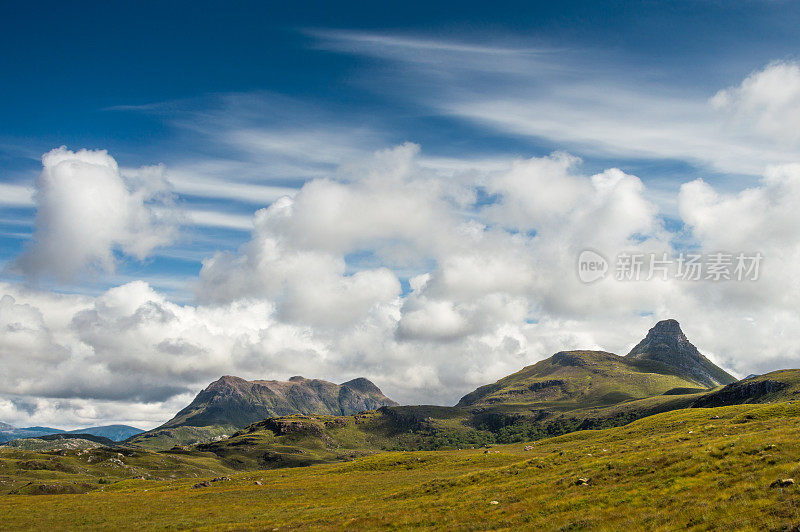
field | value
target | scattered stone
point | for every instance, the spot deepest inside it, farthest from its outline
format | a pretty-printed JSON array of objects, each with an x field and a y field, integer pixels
[
  {"x": 714, "y": 417},
  {"x": 493, "y": 502},
  {"x": 782, "y": 483},
  {"x": 582, "y": 482},
  {"x": 220, "y": 479},
  {"x": 204, "y": 484},
  {"x": 529, "y": 447},
  {"x": 258, "y": 483}
]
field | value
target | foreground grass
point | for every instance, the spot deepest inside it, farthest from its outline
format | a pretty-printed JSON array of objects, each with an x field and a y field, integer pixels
[{"x": 682, "y": 469}]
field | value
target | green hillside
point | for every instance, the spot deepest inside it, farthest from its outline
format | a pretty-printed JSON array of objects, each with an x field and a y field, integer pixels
[{"x": 579, "y": 379}]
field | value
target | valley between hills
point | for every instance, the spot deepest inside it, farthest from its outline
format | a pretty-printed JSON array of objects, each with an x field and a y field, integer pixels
[{"x": 561, "y": 444}]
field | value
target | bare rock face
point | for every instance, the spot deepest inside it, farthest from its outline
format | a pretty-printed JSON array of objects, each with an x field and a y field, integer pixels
[
  {"x": 232, "y": 401},
  {"x": 665, "y": 344}
]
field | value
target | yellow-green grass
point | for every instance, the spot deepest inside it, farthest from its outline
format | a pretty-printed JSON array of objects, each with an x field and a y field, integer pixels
[
  {"x": 681, "y": 469},
  {"x": 79, "y": 471}
]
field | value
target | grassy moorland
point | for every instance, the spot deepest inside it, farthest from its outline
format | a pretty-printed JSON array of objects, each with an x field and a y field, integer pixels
[
  {"x": 25, "y": 471},
  {"x": 698, "y": 468}
]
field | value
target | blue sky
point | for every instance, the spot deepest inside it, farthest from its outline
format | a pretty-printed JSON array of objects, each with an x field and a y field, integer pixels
[
  {"x": 396, "y": 191},
  {"x": 160, "y": 82}
]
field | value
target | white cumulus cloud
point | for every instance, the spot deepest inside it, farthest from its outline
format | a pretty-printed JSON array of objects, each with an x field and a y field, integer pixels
[
  {"x": 86, "y": 211},
  {"x": 767, "y": 102}
]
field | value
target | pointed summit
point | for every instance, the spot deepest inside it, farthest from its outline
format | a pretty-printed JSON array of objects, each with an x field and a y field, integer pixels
[
  {"x": 668, "y": 327},
  {"x": 665, "y": 344}
]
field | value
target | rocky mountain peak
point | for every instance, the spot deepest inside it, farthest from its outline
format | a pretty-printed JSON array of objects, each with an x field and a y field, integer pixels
[
  {"x": 666, "y": 344},
  {"x": 364, "y": 385},
  {"x": 667, "y": 327},
  {"x": 667, "y": 340}
]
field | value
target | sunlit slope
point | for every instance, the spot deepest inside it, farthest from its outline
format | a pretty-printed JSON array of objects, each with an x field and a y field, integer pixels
[
  {"x": 582, "y": 378},
  {"x": 694, "y": 468}
]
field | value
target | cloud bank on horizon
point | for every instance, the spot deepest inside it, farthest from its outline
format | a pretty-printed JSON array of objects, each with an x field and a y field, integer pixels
[{"x": 430, "y": 274}]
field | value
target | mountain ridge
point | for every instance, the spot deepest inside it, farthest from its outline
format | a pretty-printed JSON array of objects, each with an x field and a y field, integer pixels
[{"x": 231, "y": 403}]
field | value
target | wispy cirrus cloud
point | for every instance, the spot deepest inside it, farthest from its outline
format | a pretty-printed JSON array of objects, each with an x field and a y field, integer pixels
[
  {"x": 14, "y": 195},
  {"x": 584, "y": 100}
]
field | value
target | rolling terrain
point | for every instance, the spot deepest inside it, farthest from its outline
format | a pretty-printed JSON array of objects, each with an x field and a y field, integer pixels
[{"x": 727, "y": 467}]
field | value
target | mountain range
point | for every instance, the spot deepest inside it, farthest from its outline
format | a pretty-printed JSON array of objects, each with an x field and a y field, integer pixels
[
  {"x": 570, "y": 390},
  {"x": 111, "y": 432}
]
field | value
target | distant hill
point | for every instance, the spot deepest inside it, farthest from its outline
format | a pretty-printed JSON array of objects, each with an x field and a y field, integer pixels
[
  {"x": 112, "y": 432},
  {"x": 232, "y": 403},
  {"x": 666, "y": 344},
  {"x": 26, "y": 432},
  {"x": 60, "y": 441}
]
